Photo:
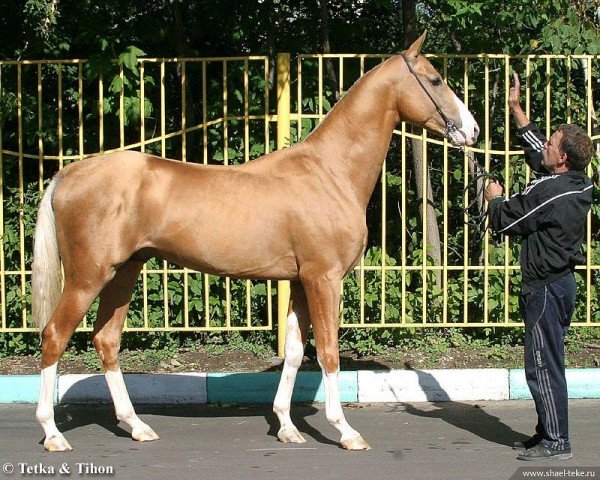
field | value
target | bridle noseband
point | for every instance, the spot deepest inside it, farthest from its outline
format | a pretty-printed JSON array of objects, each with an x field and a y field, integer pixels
[{"x": 450, "y": 125}]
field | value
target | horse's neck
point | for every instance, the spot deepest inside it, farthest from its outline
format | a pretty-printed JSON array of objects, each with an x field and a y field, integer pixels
[{"x": 353, "y": 139}]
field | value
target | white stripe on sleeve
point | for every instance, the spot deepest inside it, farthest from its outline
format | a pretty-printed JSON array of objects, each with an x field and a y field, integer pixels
[
  {"x": 573, "y": 192},
  {"x": 535, "y": 142}
]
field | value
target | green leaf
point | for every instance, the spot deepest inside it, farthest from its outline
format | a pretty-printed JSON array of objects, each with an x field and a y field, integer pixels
[
  {"x": 116, "y": 85},
  {"x": 136, "y": 51}
]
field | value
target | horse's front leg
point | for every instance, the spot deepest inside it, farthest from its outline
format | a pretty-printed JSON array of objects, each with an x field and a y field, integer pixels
[
  {"x": 298, "y": 323},
  {"x": 323, "y": 295}
]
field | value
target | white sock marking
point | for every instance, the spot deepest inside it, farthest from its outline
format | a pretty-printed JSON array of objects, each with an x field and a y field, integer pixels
[
  {"x": 123, "y": 407},
  {"x": 294, "y": 351},
  {"x": 333, "y": 406},
  {"x": 45, "y": 408}
]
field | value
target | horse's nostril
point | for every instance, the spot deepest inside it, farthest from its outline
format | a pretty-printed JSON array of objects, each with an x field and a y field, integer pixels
[{"x": 476, "y": 132}]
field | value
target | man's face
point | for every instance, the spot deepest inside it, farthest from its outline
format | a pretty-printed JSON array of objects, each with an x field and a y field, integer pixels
[{"x": 552, "y": 154}]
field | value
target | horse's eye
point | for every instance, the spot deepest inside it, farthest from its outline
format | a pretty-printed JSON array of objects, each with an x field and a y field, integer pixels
[{"x": 436, "y": 82}]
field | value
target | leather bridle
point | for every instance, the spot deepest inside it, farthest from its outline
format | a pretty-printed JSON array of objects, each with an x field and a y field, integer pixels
[
  {"x": 450, "y": 125},
  {"x": 478, "y": 218}
]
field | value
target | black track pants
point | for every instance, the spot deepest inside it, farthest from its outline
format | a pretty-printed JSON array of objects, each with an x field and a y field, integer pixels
[{"x": 547, "y": 312}]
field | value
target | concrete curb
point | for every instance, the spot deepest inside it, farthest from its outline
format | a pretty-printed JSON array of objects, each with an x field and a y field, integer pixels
[
  {"x": 19, "y": 388},
  {"x": 142, "y": 388},
  {"x": 581, "y": 383},
  {"x": 262, "y": 387},
  {"x": 433, "y": 385},
  {"x": 355, "y": 386}
]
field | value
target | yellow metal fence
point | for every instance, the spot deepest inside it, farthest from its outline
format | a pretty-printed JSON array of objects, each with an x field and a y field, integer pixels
[
  {"x": 400, "y": 284},
  {"x": 222, "y": 110}
]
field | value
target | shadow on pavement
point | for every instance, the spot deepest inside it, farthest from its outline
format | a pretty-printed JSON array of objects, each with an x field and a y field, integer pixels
[
  {"x": 464, "y": 416},
  {"x": 469, "y": 417},
  {"x": 71, "y": 416}
]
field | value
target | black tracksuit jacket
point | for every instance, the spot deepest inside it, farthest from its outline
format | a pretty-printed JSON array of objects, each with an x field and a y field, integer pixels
[{"x": 550, "y": 216}]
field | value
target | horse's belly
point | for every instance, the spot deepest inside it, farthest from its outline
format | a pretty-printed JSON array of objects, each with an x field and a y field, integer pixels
[{"x": 233, "y": 257}]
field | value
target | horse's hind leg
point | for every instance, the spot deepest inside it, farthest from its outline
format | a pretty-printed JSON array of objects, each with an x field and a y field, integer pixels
[
  {"x": 72, "y": 306},
  {"x": 112, "y": 311},
  {"x": 298, "y": 323}
]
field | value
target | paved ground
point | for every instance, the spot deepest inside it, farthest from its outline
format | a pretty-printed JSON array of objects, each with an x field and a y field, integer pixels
[{"x": 429, "y": 441}]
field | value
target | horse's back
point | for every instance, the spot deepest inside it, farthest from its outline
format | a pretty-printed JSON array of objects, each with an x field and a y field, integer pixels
[
  {"x": 110, "y": 207},
  {"x": 250, "y": 221},
  {"x": 123, "y": 178}
]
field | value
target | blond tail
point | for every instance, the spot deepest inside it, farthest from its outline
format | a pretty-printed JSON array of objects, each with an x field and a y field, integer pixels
[{"x": 46, "y": 273}]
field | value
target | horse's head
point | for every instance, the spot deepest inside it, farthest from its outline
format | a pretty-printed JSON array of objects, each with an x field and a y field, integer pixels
[{"x": 424, "y": 98}]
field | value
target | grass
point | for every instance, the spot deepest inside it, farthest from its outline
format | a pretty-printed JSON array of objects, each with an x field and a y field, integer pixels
[{"x": 427, "y": 348}]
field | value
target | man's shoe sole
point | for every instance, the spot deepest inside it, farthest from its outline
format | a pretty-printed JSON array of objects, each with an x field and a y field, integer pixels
[
  {"x": 525, "y": 444},
  {"x": 558, "y": 456}
]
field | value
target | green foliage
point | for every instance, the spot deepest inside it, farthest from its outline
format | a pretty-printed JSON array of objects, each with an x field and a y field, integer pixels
[
  {"x": 45, "y": 29},
  {"x": 574, "y": 31},
  {"x": 516, "y": 26},
  {"x": 40, "y": 19},
  {"x": 19, "y": 344},
  {"x": 260, "y": 344},
  {"x": 102, "y": 64},
  {"x": 8, "y": 107}
]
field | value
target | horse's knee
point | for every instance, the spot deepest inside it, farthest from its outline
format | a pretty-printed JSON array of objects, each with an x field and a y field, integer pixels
[
  {"x": 108, "y": 351},
  {"x": 294, "y": 353},
  {"x": 329, "y": 362},
  {"x": 294, "y": 345}
]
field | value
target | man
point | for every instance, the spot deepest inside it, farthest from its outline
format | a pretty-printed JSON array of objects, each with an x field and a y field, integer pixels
[{"x": 550, "y": 217}]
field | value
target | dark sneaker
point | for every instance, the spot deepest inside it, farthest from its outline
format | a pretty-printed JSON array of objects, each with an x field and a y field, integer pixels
[
  {"x": 530, "y": 442},
  {"x": 542, "y": 452}
]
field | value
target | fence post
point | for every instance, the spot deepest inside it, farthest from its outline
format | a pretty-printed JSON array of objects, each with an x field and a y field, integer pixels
[{"x": 283, "y": 136}]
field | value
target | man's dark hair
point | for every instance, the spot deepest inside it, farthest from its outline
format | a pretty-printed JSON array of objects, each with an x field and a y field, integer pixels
[{"x": 577, "y": 145}]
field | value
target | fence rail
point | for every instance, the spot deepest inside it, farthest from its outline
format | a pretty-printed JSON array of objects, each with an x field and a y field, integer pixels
[{"x": 232, "y": 110}]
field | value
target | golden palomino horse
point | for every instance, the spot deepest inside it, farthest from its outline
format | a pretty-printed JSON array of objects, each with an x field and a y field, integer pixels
[{"x": 104, "y": 217}]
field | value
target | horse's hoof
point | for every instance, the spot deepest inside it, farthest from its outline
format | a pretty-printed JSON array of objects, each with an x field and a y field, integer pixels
[
  {"x": 290, "y": 435},
  {"x": 57, "y": 444},
  {"x": 144, "y": 434},
  {"x": 356, "y": 443}
]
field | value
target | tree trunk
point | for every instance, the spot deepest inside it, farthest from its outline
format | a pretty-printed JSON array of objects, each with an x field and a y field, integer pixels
[
  {"x": 434, "y": 248},
  {"x": 595, "y": 124},
  {"x": 192, "y": 147},
  {"x": 409, "y": 23},
  {"x": 327, "y": 47}
]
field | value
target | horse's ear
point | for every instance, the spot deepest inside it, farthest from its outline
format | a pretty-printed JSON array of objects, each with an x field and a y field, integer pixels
[{"x": 415, "y": 48}]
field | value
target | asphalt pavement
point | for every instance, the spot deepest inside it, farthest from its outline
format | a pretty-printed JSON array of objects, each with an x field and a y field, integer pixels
[{"x": 429, "y": 441}]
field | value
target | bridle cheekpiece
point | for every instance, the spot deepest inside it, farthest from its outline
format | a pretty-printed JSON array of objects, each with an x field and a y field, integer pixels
[{"x": 450, "y": 125}]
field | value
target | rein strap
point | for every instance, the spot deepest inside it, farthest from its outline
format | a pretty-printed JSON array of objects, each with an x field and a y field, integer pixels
[{"x": 478, "y": 218}]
